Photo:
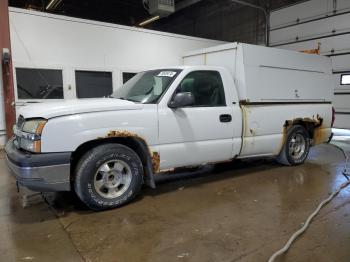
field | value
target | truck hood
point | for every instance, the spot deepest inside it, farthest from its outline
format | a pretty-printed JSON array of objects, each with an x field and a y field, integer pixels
[{"x": 76, "y": 106}]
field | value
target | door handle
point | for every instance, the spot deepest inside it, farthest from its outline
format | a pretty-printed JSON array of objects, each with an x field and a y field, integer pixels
[{"x": 225, "y": 118}]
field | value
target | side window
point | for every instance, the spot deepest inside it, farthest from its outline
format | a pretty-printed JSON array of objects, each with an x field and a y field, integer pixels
[
  {"x": 35, "y": 83},
  {"x": 345, "y": 79},
  {"x": 206, "y": 87},
  {"x": 92, "y": 84}
]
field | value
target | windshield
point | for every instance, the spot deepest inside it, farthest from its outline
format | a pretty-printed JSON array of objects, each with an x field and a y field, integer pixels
[{"x": 147, "y": 87}]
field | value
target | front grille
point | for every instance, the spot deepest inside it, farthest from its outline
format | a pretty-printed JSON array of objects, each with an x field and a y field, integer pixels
[{"x": 20, "y": 122}]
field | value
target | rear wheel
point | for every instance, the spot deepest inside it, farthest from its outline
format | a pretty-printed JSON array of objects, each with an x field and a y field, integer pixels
[
  {"x": 108, "y": 176},
  {"x": 296, "y": 147}
]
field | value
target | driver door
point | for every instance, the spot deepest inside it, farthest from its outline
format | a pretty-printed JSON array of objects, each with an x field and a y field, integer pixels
[{"x": 200, "y": 133}]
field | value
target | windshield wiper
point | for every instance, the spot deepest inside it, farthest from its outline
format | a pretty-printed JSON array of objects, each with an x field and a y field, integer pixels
[
  {"x": 136, "y": 101},
  {"x": 128, "y": 99}
]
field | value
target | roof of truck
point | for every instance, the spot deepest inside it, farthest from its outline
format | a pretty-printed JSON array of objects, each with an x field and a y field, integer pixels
[
  {"x": 213, "y": 49},
  {"x": 182, "y": 67}
]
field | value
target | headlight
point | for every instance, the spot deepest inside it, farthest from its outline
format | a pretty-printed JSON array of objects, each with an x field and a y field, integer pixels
[
  {"x": 34, "y": 126},
  {"x": 29, "y": 145},
  {"x": 29, "y": 138}
]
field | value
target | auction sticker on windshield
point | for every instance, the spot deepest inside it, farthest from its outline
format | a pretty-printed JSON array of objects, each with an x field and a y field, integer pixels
[{"x": 167, "y": 73}]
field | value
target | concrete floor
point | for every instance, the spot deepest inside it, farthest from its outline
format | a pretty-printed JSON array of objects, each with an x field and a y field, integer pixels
[{"x": 242, "y": 211}]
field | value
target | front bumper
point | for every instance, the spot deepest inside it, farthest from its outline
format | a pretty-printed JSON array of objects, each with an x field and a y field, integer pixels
[{"x": 47, "y": 172}]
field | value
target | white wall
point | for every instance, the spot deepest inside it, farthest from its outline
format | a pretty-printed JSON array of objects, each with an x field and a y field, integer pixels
[
  {"x": 41, "y": 40},
  {"x": 303, "y": 26}
]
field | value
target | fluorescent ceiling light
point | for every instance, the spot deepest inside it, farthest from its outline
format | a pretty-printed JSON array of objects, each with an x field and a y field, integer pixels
[
  {"x": 148, "y": 21},
  {"x": 53, "y": 4}
]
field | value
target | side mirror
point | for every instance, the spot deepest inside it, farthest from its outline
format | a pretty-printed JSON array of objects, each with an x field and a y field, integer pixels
[{"x": 182, "y": 100}]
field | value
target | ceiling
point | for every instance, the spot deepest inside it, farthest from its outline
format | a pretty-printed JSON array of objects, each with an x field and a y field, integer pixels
[
  {"x": 126, "y": 12},
  {"x": 214, "y": 19}
]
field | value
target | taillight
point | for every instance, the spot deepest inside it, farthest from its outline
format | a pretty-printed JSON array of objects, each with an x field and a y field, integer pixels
[{"x": 333, "y": 116}]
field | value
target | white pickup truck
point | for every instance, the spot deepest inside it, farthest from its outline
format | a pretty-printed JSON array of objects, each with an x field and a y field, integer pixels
[{"x": 226, "y": 102}]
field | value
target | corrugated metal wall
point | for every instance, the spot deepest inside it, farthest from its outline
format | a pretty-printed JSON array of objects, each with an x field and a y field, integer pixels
[{"x": 303, "y": 26}]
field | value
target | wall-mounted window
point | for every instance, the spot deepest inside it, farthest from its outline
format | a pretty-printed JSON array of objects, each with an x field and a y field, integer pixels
[
  {"x": 345, "y": 79},
  {"x": 35, "y": 83},
  {"x": 91, "y": 84},
  {"x": 127, "y": 76}
]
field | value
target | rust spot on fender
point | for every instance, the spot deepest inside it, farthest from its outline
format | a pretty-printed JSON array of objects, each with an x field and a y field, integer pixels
[
  {"x": 124, "y": 133},
  {"x": 245, "y": 112},
  {"x": 316, "y": 121},
  {"x": 155, "y": 162},
  {"x": 245, "y": 131}
]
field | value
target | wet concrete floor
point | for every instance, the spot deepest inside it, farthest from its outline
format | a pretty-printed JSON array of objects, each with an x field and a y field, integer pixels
[{"x": 240, "y": 211}]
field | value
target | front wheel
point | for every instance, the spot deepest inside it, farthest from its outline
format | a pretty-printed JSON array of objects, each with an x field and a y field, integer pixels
[
  {"x": 108, "y": 176},
  {"x": 296, "y": 147}
]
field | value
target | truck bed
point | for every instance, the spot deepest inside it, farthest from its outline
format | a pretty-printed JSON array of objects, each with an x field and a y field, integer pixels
[{"x": 264, "y": 130}]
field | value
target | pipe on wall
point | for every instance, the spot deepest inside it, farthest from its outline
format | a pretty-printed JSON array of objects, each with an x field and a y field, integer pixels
[{"x": 7, "y": 69}]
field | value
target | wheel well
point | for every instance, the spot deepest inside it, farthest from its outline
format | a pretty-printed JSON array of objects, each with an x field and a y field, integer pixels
[
  {"x": 136, "y": 144},
  {"x": 309, "y": 124}
]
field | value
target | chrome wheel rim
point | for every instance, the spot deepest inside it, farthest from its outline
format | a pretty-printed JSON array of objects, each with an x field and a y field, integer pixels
[
  {"x": 112, "y": 179},
  {"x": 297, "y": 146}
]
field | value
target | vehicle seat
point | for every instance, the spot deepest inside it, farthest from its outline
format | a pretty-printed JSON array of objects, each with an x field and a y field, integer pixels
[{"x": 206, "y": 92}]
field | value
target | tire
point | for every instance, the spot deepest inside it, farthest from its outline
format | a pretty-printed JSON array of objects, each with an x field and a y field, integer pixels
[
  {"x": 296, "y": 148},
  {"x": 108, "y": 176}
]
